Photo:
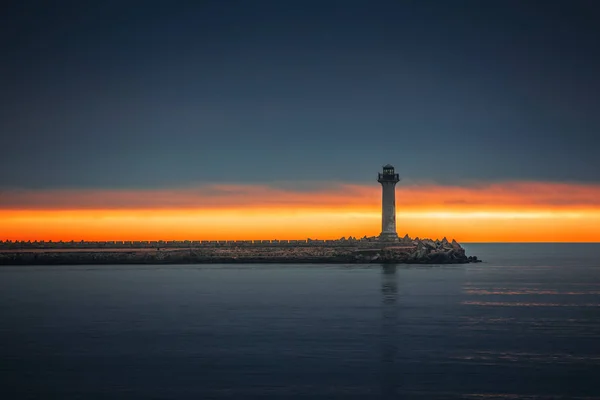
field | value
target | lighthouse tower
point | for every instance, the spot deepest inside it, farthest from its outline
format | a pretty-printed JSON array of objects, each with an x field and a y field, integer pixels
[{"x": 388, "y": 180}]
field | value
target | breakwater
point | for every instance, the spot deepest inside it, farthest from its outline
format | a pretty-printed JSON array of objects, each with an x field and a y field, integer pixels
[{"x": 406, "y": 251}]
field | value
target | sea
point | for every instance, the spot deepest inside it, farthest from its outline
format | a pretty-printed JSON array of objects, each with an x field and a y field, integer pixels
[{"x": 523, "y": 324}]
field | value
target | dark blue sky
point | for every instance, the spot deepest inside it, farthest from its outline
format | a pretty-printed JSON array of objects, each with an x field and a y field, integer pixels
[{"x": 172, "y": 93}]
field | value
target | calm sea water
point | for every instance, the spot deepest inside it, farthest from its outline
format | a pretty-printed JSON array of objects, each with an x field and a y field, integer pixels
[{"x": 523, "y": 325}]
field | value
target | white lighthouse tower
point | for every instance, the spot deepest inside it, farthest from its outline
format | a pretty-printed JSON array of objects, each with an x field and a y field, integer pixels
[{"x": 388, "y": 180}]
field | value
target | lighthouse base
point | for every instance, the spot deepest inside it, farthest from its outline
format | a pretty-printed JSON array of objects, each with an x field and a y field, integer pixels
[{"x": 388, "y": 237}]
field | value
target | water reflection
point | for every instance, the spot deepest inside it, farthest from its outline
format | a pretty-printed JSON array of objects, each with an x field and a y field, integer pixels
[{"x": 389, "y": 349}]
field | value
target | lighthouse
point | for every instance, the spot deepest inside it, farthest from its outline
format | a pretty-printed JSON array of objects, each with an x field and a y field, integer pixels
[{"x": 388, "y": 180}]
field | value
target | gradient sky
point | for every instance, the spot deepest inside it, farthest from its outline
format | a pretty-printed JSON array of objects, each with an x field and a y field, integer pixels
[{"x": 134, "y": 97}]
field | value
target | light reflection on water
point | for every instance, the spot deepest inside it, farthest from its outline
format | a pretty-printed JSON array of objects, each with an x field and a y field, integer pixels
[
  {"x": 527, "y": 304},
  {"x": 503, "y": 329},
  {"x": 522, "y": 291}
]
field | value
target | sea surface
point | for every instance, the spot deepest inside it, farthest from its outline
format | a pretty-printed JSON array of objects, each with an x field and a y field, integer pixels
[{"x": 524, "y": 324}]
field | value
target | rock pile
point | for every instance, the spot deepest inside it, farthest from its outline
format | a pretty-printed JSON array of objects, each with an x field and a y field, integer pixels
[
  {"x": 418, "y": 251},
  {"x": 439, "y": 252}
]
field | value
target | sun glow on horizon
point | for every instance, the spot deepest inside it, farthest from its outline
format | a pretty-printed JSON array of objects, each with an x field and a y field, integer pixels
[
  {"x": 496, "y": 213},
  {"x": 280, "y": 224}
]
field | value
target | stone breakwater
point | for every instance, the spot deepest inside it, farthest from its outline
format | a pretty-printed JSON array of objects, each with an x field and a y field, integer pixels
[{"x": 406, "y": 251}]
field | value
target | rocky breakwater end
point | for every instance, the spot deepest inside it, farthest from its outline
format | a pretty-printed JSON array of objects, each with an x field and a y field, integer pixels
[
  {"x": 418, "y": 251},
  {"x": 405, "y": 251}
]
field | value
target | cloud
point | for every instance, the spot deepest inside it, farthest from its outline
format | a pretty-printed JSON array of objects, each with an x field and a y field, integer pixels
[{"x": 413, "y": 197}]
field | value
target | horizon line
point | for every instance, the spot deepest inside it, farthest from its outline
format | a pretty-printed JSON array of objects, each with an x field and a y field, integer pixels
[{"x": 272, "y": 241}]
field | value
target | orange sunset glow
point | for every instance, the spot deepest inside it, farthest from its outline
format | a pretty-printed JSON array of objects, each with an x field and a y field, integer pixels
[{"x": 503, "y": 212}]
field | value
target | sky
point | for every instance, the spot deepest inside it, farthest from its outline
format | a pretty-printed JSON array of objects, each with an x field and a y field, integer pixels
[{"x": 270, "y": 119}]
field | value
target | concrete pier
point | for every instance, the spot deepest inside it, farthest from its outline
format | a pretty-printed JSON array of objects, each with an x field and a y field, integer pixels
[
  {"x": 388, "y": 180},
  {"x": 370, "y": 250}
]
